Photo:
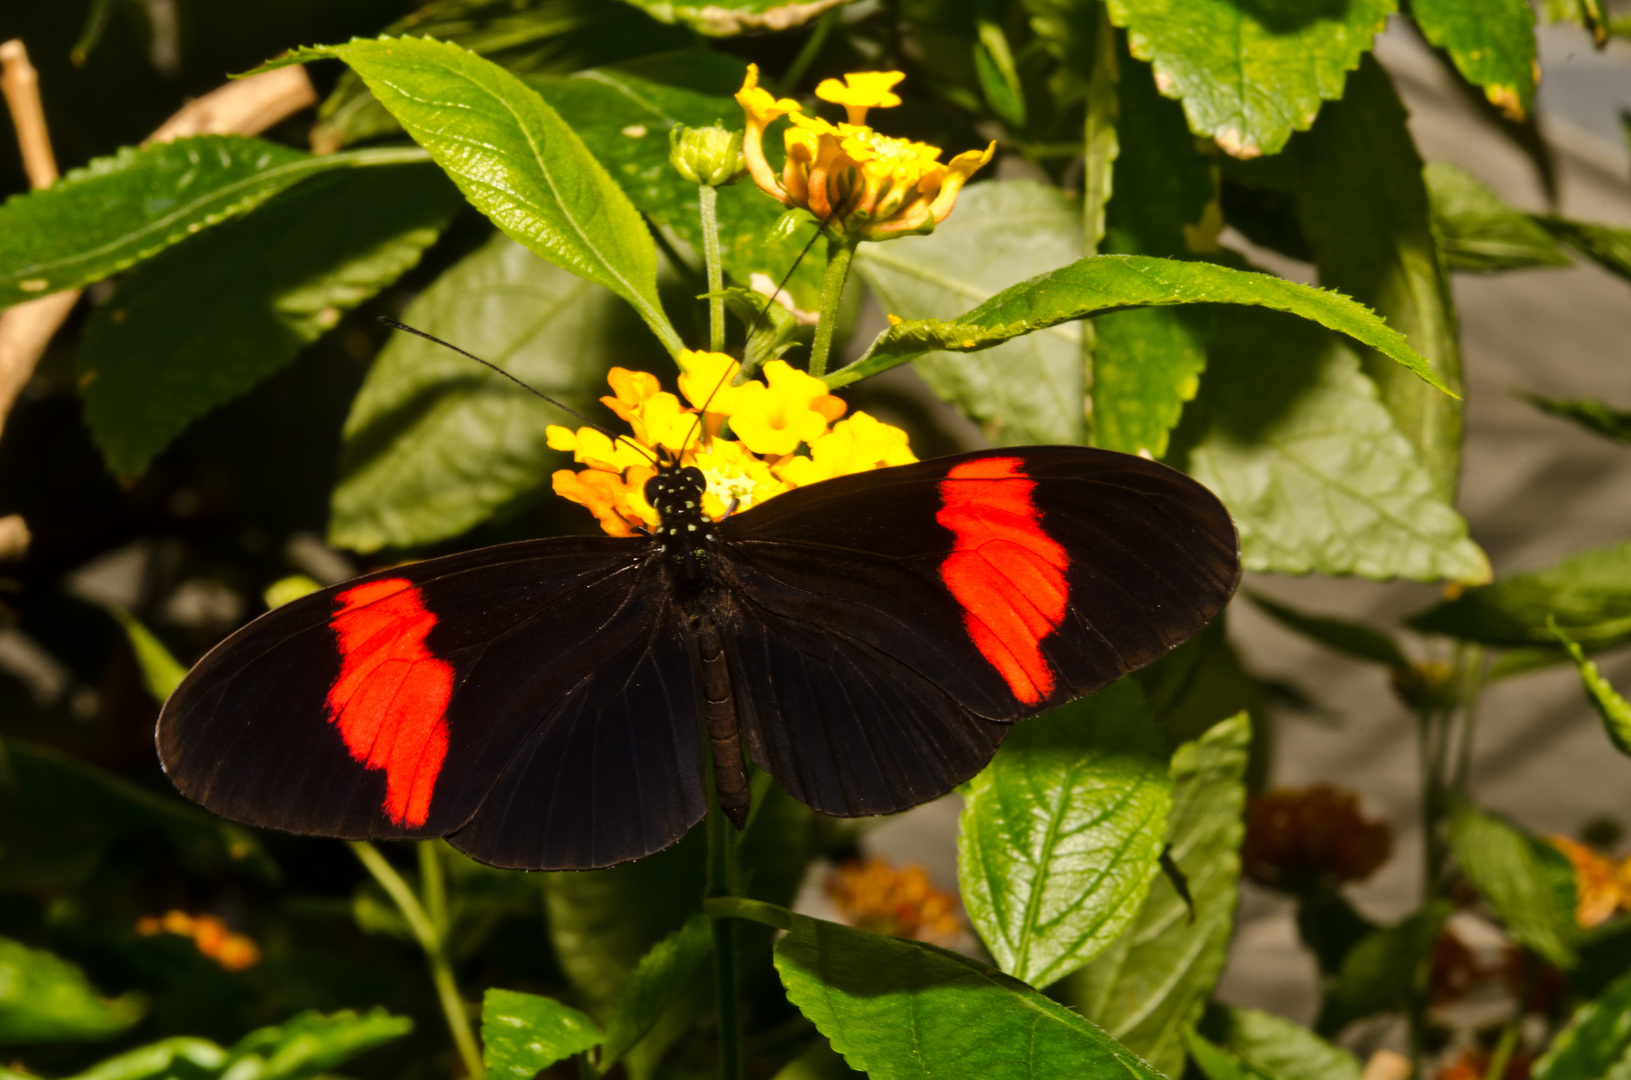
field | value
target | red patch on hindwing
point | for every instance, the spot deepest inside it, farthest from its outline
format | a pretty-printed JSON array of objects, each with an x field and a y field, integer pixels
[
  {"x": 390, "y": 699},
  {"x": 1008, "y": 575}
]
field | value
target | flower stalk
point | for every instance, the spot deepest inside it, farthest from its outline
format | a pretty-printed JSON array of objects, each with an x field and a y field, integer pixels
[
  {"x": 722, "y": 883},
  {"x": 708, "y": 201},
  {"x": 431, "y": 934},
  {"x": 840, "y": 253}
]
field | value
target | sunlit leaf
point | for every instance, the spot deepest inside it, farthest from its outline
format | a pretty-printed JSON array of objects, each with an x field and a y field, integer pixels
[
  {"x": 624, "y": 119},
  {"x": 523, "y": 1034},
  {"x": 898, "y": 1009},
  {"x": 515, "y": 159},
  {"x": 1250, "y": 75},
  {"x": 1492, "y": 43},
  {"x": 1030, "y": 389},
  {"x": 1279, "y": 1049},
  {"x": 312, "y": 1044},
  {"x": 119, "y": 210},
  {"x": 161, "y": 672},
  {"x": 1150, "y": 987},
  {"x": 1060, "y": 834},
  {"x": 1111, "y": 282},
  {"x": 1289, "y": 433},
  {"x": 1614, "y": 709}
]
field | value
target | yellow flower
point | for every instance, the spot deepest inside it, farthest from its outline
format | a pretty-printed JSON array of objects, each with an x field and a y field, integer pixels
[
  {"x": 864, "y": 184},
  {"x": 775, "y": 423}
]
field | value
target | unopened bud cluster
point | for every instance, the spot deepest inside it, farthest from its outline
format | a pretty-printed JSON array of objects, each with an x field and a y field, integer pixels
[{"x": 707, "y": 155}]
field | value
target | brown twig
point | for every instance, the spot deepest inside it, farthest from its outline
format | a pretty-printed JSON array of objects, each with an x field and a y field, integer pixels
[{"x": 242, "y": 107}]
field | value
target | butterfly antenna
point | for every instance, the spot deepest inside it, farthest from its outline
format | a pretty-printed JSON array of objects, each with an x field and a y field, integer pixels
[
  {"x": 614, "y": 436},
  {"x": 759, "y": 318}
]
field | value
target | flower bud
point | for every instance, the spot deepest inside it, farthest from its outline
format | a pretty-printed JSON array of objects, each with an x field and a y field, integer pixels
[{"x": 707, "y": 155}]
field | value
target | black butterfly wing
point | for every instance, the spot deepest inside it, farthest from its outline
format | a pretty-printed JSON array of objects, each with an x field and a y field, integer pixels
[
  {"x": 884, "y": 626},
  {"x": 533, "y": 702}
]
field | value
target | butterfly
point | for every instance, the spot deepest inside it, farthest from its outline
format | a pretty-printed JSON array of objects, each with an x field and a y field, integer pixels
[{"x": 554, "y": 704}]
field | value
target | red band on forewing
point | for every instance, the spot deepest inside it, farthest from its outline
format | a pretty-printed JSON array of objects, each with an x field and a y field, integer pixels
[
  {"x": 390, "y": 701},
  {"x": 1008, "y": 575}
]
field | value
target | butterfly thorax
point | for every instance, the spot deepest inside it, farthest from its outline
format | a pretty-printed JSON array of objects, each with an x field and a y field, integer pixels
[{"x": 685, "y": 534}]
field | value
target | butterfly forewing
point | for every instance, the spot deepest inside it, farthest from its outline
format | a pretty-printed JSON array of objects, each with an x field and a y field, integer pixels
[
  {"x": 399, "y": 703},
  {"x": 951, "y": 594}
]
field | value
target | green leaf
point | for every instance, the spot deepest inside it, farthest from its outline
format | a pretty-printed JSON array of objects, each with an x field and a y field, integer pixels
[
  {"x": 624, "y": 119},
  {"x": 537, "y": 37},
  {"x": 726, "y": 18},
  {"x": 1290, "y": 434},
  {"x": 1029, "y": 390},
  {"x": 999, "y": 79},
  {"x": 1103, "y": 283},
  {"x": 119, "y": 210},
  {"x": 516, "y": 161},
  {"x": 1250, "y": 75},
  {"x": 1614, "y": 709},
  {"x": 903, "y": 1010},
  {"x": 59, "y": 816},
  {"x": 1200, "y": 684},
  {"x": 603, "y": 922},
  {"x": 161, "y": 672},
  {"x": 1528, "y": 883},
  {"x": 1364, "y": 210},
  {"x": 202, "y": 324},
  {"x": 1604, "y": 245},
  {"x": 1595, "y": 416},
  {"x": 435, "y": 443},
  {"x": 1214, "y": 1062},
  {"x": 312, "y": 1044},
  {"x": 1477, "y": 231},
  {"x": 1278, "y": 1049},
  {"x": 1060, "y": 835},
  {"x": 1359, "y": 640},
  {"x": 180, "y": 1056},
  {"x": 1589, "y": 594},
  {"x": 1597, "y": 1038},
  {"x": 1492, "y": 43},
  {"x": 1150, "y": 987},
  {"x": 524, "y": 1034},
  {"x": 1383, "y": 970},
  {"x": 653, "y": 985},
  {"x": 1147, "y": 363},
  {"x": 46, "y": 999}
]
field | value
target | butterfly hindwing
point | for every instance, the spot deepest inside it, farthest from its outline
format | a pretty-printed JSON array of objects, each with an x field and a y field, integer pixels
[
  {"x": 398, "y": 704},
  {"x": 971, "y": 590}
]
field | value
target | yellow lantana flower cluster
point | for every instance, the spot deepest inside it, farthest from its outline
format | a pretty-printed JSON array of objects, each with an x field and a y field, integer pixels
[
  {"x": 866, "y": 185},
  {"x": 770, "y": 422}
]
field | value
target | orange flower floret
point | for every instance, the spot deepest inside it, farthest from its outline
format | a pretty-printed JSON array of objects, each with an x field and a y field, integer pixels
[
  {"x": 864, "y": 184},
  {"x": 1601, "y": 885},
  {"x": 783, "y": 428},
  {"x": 876, "y": 896},
  {"x": 234, "y": 952}
]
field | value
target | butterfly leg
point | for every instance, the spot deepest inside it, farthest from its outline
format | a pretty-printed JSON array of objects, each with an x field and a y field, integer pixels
[{"x": 724, "y": 735}]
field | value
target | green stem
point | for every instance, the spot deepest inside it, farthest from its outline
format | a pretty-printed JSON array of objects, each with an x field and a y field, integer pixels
[
  {"x": 425, "y": 932},
  {"x": 807, "y": 54},
  {"x": 1509, "y": 1042},
  {"x": 1472, "y": 692},
  {"x": 722, "y": 883},
  {"x": 708, "y": 200},
  {"x": 432, "y": 888},
  {"x": 839, "y": 254}
]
